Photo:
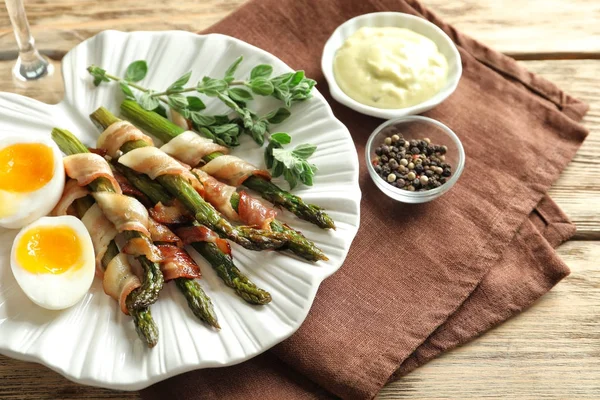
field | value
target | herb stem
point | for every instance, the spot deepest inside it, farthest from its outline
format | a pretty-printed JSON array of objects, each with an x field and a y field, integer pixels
[
  {"x": 184, "y": 90},
  {"x": 173, "y": 91}
]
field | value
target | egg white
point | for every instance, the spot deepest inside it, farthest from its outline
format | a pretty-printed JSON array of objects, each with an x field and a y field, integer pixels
[
  {"x": 57, "y": 291},
  {"x": 21, "y": 209}
]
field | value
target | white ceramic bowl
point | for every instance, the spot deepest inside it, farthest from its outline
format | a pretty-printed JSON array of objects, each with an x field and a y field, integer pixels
[{"x": 399, "y": 20}]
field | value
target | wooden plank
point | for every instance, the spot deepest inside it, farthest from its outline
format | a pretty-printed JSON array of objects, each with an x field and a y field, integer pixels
[
  {"x": 578, "y": 189},
  {"x": 544, "y": 28},
  {"x": 550, "y": 351}
]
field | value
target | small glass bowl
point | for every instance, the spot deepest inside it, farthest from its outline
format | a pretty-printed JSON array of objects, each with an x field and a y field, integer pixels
[{"x": 418, "y": 128}]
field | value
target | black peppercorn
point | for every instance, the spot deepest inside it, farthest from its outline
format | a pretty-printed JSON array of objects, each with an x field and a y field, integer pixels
[
  {"x": 415, "y": 150},
  {"x": 393, "y": 164},
  {"x": 400, "y": 183},
  {"x": 443, "y": 149},
  {"x": 419, "y": 168},
  {"x": 416, "y": 183},
  {"x": 429, "y": 173},
  {"x": 442, "y": 180},
  {"x": 446, "y": 172},
  {"x": 384, "y": 158},
  {"x": 385, "y": 149},
  {"x": 378, "y": 151},
  {"x": 392, "y": 154},
  {"x": 401, "y": 142}
]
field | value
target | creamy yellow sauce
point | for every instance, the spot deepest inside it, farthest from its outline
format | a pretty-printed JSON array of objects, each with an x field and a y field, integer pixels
[{"x": 389, "y": 67}]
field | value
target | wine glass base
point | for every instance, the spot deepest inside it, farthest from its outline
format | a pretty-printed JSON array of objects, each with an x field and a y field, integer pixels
[{"x": 32, "y": 70}]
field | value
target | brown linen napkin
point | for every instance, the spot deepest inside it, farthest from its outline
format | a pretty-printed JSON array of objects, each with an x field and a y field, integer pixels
[{"x": 418, "y": 279}]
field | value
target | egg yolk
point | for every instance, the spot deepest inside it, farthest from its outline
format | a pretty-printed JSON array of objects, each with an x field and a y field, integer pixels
[
  {"x": 50, "y": 250},
  {"x": 25, "y": 167}
]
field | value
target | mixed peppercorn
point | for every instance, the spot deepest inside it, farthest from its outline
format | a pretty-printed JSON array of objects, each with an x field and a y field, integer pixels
[{"x": 413, "y": 165}]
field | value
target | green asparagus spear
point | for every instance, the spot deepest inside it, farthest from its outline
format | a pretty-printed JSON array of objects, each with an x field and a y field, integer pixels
[
  {"x": 198, "y": 301},
  {"x": 222, "y": 263},
  {"x": 252, "y": 239},
  {"x": 165, "y": 130},
  {"x": 153, "y": 280},
  {"x": 142, "y": 318}
]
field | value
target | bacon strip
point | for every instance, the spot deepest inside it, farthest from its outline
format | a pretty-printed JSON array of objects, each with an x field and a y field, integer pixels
[
  {"x": 233, "y": 170},
  {"x": 119, "y": 133},
  {"x": 192, "y": 234},
  {"x": 142, "y": 246},
  {"x": 152, "y": 162},
  {"x": 87, "y": 167},
  {"x": 218, "y": 194},
  {"x": 177, "y": 263},
  {"x": 71, "y": 192},
  {"x": 176, "y": 213},
  {"x": 126, "y": 213},
  {"x": 100, "y": 152},
  {"x": 179, "y": 120},
  {"x": 102, "y": 232},
  {"x": 190, "y": 148},
  {"x": 119, "y": 280},
  {"x": 160, "y": 233},
  {"x": 253, "y": 212}
]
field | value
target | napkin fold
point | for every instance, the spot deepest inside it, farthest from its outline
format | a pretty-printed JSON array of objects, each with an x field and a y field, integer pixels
[{"x": 419, "y": 279}]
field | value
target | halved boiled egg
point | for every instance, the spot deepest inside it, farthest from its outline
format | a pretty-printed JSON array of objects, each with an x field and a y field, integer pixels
[
  {"x": 32, "y": 178},
  {"x": 52, "y": 260}
]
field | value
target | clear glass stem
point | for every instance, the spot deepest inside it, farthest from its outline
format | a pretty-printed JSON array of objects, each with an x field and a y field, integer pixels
[{"x": 30, "y": 65}]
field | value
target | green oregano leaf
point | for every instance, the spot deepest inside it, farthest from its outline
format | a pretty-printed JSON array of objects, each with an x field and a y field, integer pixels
[
  {"x": 195, "y": 104},
  {"x": 127, "y": 90},
  {"x": 179, "y": 83},
  {"x": 202, "y": 120},
  {"x": 261, "y": 71},
  {"x": 281, "y": 138},
  {"x": 229, "y": 74},
  {"x": 278, "y": 116},
  {"x": 177, "y": 101},
  {"x": 211, "y": 87},
  {"x": 136, "y": 71},
  {"x": 261, "y": 86},
  {"x": 239, "y": 94},
  {"x": 148, "y": 102}
]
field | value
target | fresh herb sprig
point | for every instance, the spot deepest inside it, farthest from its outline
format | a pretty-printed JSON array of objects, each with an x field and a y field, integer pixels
[
  {"x": 292, "y": 164},
  {"x": 289, "y": 88}
]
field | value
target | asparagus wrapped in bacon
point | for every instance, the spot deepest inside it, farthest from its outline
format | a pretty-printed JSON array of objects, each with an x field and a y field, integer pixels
[
  {"x": 220, "y": 259},
  {"x": 131, "y": 217},
  {"x": 177, "y": 179},
  {"x": 126, "y": 213},
  {"x": 235, "y": 206},
  {"x": 231, "y": 169},
  {"x": 250, "y": 211},
  {"x": 119, "y": 282}
]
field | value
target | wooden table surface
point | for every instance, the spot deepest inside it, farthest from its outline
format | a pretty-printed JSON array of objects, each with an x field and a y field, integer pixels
[{"x": 552, "y": 351}]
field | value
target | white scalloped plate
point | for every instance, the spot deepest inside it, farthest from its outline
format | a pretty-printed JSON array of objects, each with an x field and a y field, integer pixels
[{"x": 93, "y": 343}]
